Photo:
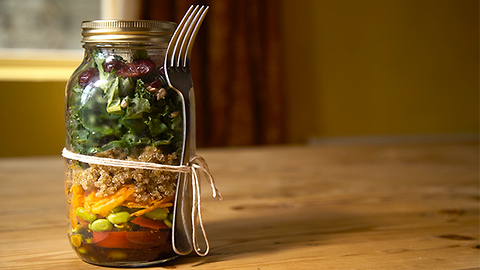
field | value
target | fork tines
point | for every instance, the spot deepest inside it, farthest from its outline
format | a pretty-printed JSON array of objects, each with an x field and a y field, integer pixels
[{"x": 179, "y": 49}]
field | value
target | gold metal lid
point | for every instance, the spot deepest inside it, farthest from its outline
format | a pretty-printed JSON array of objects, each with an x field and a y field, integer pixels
[{"x": 118, "y": 31}]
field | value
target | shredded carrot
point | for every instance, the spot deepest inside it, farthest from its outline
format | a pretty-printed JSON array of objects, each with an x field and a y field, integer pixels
[
  {"x": 103, "y": 205},
  {"x": 147, "y": 204},
  {"x": 163, "y": 203},
  {"x": 77, "y": 196},
  {"x": 131, "y": 198},
  {"x": 146, "y": 210},
  {"x": 73, "y": 218},
  {"x": 77, "y": 201}
]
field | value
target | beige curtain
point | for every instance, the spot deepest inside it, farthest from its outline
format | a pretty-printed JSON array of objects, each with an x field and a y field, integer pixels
[{"x": 236, "y": 69}]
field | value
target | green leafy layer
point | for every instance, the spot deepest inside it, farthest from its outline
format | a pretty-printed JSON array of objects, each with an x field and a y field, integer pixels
[{"x": 118, "y": 112}]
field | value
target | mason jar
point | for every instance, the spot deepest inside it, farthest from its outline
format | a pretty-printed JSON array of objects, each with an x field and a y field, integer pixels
[{"x": 119, "y": 107}]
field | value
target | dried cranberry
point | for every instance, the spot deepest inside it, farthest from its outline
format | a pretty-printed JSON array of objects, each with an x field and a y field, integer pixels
[
  {"x": 87, "y": 76},
  {"x": 144, "y": 66},
  {"x": 128, "y": 70},
  {"x": 112, "y": 62},
  {"x": 156, "y": 84},
  {"x": 138, "y": 68}
]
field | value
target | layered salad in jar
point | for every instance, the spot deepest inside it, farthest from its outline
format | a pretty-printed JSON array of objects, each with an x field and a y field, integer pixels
[{"x": 120, "y": 107}]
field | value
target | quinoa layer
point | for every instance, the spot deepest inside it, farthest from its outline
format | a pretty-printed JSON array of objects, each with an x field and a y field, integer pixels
[{"x": 148, "y": 184}]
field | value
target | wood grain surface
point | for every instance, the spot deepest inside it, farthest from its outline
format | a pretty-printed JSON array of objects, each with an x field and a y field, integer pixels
[{"x": 412, "y": 206}]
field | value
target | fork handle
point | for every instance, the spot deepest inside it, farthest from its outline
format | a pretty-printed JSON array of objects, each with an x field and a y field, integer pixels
[
  {"x": 181, "y": 229},
  {"x": 185, "y": 216},
  {"x": 199, "y": 238}
]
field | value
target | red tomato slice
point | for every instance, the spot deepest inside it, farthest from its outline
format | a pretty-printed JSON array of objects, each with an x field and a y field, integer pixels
[
  {"x": 111, "y": 239},
  {"x": 149, "y": 223},
  {"x": 152, "y": 238},
  {"x": 139, "y": 239}
]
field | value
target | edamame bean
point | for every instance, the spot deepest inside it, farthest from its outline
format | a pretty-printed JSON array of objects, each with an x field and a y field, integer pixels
[
  {"x": 157, "y": 214},
  {"x": 85, "y": 215},
  {"x": 119, "y": 217},
  {"x": 100, "y": 225},
  {"x": 118, "y": 209},
  {"x": 168, "y": 223}
]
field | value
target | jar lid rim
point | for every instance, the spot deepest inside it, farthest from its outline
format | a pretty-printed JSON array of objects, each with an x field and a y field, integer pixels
[{"x": 137, "y": 31}]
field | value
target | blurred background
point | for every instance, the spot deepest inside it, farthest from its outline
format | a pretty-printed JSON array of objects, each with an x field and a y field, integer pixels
[{"x": 266, "y": 72}]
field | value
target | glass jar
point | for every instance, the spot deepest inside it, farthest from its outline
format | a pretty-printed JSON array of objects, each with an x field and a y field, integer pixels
[{"x": 118, "y": 106}]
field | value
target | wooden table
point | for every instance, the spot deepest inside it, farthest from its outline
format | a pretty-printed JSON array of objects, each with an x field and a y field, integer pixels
[{"x": 325, "y": 207}]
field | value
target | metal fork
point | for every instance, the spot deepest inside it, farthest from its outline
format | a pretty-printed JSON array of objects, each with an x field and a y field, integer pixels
[{"x": 177, "y": 71}]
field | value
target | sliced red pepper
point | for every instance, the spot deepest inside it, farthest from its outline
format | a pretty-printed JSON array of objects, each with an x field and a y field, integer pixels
[
  {"x": 149, "y": 223},
  {"x": 111, "y": 239},
  {"x": 138, "y": 239},
  {"x": 152, "y": 237}
]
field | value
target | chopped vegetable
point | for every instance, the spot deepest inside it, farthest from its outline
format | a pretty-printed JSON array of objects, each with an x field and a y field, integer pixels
[
  {"x": 136, "y": 239},
  {"x": 153, "y": 224},
  {"x": 100, "y": 225},
  {"x": 85, "y": 215},
  {"x": 119, "y": 217},
  {"x": 168, "y": 223},
  {"x": 77, "y": 196},
  {"x": 105, "y": 205},
  {"x": 76, "y": 240},
  {"x": 157, "y": 214},
  {"x": 164, "y": 203},
  {"x": 111, "y": 239}
]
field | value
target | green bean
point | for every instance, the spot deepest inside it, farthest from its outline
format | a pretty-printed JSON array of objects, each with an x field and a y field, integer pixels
[
  {"x": 119, "y": 217},
  {"x": 157, "y": 214},
  {"x": 100, "y": 225},
  {"x": 85, "y": 215}
]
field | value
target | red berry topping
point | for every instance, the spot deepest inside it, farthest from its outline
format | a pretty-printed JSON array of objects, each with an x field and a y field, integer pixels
[
  {"x": 112, "y": 62},
  {"x": 87, "y": 76},
  {"x": 138, "y": 68},
  {"x": 144, "y": 66},
  {"x": 156, "y": 84},
  {"x": 128, "y": 70}
]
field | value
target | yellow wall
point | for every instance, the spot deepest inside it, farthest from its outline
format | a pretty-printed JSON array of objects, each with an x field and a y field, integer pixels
[
  {"x": 370, "y": 67},
  {"x": 31, "y": 116},
  {"x": 32, "y": 86}
]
